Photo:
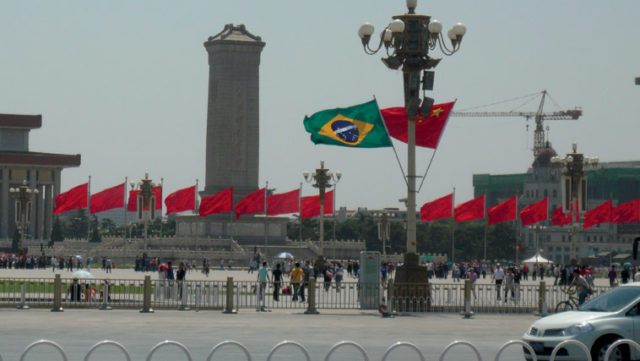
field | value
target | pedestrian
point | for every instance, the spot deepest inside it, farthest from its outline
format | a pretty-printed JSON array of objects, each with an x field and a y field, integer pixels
[
  {"x": 473, "y": 277},
  {"x": 277, "y": 281},
  {"x": 170, "y": 275},
  {"x": 339, "y": 277},
  {"x": 625, "y": 275},
  {"x": 263, "y": 278},
  {"x": 509, "y": 285},
  {"x": 180, "y": 277},
  {"x": 498, "y": 276},
  {"x": 328, "y": 276},
  {"x": 297, "y": 275},
  {"x": 613, "y": 275}
]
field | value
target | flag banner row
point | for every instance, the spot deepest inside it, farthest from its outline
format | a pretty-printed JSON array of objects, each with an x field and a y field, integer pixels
[
  {"x": 474, "y": 209},
  {"x": 185, "y": 200}
]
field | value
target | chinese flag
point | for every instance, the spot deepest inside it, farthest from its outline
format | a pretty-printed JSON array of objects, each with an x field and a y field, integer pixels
[
  {"x": 218, "y": 203},
  {"x": 282, "y": 203},
  {"x": 535, "y": 213},
  {"x": 470, "y": 210},
  {"x": 428, "y": 129},
  {"x": 559, "y": 218},
  {"x": 74, "y": 198},
  {"x": 626, "y": 212},
  {"x": 600, "y": 214},
  {"x": 505, "y": 211},
  {"x": 132, "y": 203},
  {"x": 311, "y": 205},
  {"x": 437, "y": 209},
  {"x": 107, "y": 199},
  {"x": 181, "y": 200},
  {"x": 252, "y": 203}
]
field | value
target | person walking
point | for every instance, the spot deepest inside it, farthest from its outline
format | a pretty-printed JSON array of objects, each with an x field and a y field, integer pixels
[
  {"x": 509, "y": 285},
  {"x": 473, "y": 277},
  {"x": 612, "y": 276},
  {"x": 297, "y": 275},
  {"x": 498, "y": 276},
  {"x": 277, "y": 281},
  {"x": 339, "y": 277},
  {"x": 263, "y": 278},
  {"x": 180, "y": 277}
]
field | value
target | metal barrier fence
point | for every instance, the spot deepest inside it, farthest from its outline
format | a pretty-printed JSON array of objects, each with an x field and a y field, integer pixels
[
  {"x": 301, "y": 348},
  {"x": 212, "y": 295}
]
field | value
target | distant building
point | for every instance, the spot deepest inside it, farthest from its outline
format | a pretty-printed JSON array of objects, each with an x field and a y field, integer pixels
[
  {"x": 41, "y": 171},
  {"x": 618, "y": 181}
]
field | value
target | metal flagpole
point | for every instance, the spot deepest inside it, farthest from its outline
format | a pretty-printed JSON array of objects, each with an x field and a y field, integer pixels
[
  {"x": 126, "y": 205},
  {"x": 195, "y": 196},
  {"x": 266, "y": 189},
  {"x": 89, "y": 209},
  {"x": 486, "y": 226},
  {"x": 453, "y": 228},
  {"x": 300, "y": 209},
  {"x": 160, "y": 200}
]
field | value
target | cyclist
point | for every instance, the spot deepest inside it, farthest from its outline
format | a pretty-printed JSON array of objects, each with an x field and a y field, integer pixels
[{"x": 582, "y": 286}]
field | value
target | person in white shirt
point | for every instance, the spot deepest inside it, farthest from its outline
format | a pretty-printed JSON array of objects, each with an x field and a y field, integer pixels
[{"x": 498, "y": 275}]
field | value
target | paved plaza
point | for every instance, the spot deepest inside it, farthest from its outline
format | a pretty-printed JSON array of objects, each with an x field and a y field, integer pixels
[{"x": 77, "y": 330}]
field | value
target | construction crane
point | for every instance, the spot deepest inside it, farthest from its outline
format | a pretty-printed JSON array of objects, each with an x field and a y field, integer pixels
[{"x": 539, "y": 142}]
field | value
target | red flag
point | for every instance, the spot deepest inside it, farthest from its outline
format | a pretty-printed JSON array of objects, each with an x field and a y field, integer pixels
[
  {"x": 470, "y": 210},
  {"x": 626, "y": 212},
  {"x": 218, "y": 203},
  {"x": 252, "y": 203},
  {"x": 559, "y": 218},
  {"x": 505, "y": 211},
  {"x": 74, "y": 198},
  {"x": 132, "y": 203},
  {"x": 283, "y": 203},
  {"x": 535, "y": 213},
  {"x": 437, "y": 209},
  {"x": 600, "y": 214},
  {"x": 311, "y": 205},
  {"x": 428, "y": 129},
  {"x": 107, "y": 199},
  {"x": 181, "y": 200}
]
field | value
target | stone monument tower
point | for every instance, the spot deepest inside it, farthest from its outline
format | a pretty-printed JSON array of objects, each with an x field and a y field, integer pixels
[
  {"x": 233, "y": 122},
  {"x": 233, "y": 132}
]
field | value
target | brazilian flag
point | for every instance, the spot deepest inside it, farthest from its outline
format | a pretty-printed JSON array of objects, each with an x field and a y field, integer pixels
[{"x": 359, "y": 126}]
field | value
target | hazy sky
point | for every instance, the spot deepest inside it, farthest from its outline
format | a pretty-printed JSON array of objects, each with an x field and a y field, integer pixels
[{"x": 124, "y": 83}]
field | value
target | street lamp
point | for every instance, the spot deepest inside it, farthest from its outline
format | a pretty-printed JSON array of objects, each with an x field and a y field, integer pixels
[
  {"x": 22, "y": 195},
  {"x": 407, "y": 41},
  {"x": 574, "y": 187},
  {"x": 322, "y": 178},
  {"x": 146, "y": 204},
  {"x": 538, "y": 229}
]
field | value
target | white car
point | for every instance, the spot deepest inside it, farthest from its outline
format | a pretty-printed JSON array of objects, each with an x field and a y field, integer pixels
[{"x": 597, "y": 324}]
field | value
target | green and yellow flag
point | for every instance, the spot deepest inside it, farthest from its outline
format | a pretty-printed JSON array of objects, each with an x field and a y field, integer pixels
[{"x": 359, "y": 126}]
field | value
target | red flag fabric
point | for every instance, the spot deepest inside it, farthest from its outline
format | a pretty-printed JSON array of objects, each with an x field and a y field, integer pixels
[
  {"x": 428, "y": 129},
  {"x": 282, "y": 203},
  {"x": 220, "y": 202},
  {"x": 503, "y": 212},
  {"x": 437, "y": 209},
  {"x": 626, "y": 212},
  {"x": 311, "y": 205},
  {"x": 535, "y": 213},
  {"x": 559, "y": 218},
  {"x": 600, "y": 214},
  {"x": 251, "y": 204},
  {"x": 74, "y": 198},
  {"x": 470, "y": 210},
  {"x": 132, "y": 202},
  {"x": 107, "y": 199},
  {"x": 575, "y": 211},
  {"x": 181, "y": 200}
]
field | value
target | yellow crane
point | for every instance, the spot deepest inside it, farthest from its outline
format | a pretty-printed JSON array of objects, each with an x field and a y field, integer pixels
[{"x": 539, "y": 142}]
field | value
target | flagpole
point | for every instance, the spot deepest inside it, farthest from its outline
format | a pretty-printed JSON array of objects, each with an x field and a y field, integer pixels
[
  {"x": 126, "y": 204},
  {"x": 300, "y": 209},
  {"x": 453, "y": 228},
  {"x": 266, "y": 189},
  {"x": 161, "y": 191},
  {"x": 89, "y": 209},
  {"x": 195, "y": 196}
]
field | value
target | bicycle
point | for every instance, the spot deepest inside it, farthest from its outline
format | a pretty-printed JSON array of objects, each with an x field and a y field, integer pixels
[{"x": 570, "y": 304}]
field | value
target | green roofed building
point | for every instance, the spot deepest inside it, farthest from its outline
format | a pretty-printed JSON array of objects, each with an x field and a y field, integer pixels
[{"x": 604, "y": 243}]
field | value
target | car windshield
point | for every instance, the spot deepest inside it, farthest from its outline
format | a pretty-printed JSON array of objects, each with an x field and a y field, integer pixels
[{"x": 613, "y": 300}]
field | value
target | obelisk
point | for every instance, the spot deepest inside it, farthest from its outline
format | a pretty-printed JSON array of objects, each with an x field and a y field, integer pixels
[{"x": 233, "y": 122}]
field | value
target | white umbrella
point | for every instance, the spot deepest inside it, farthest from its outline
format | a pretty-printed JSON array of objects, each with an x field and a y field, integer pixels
[
  {"x": 83, "y": 274},
  {"x": 284, "y": 255}
]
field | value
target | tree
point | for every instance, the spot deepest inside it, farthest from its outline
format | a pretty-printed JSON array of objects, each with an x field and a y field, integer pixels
[{"x": 57, "y": 234}]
